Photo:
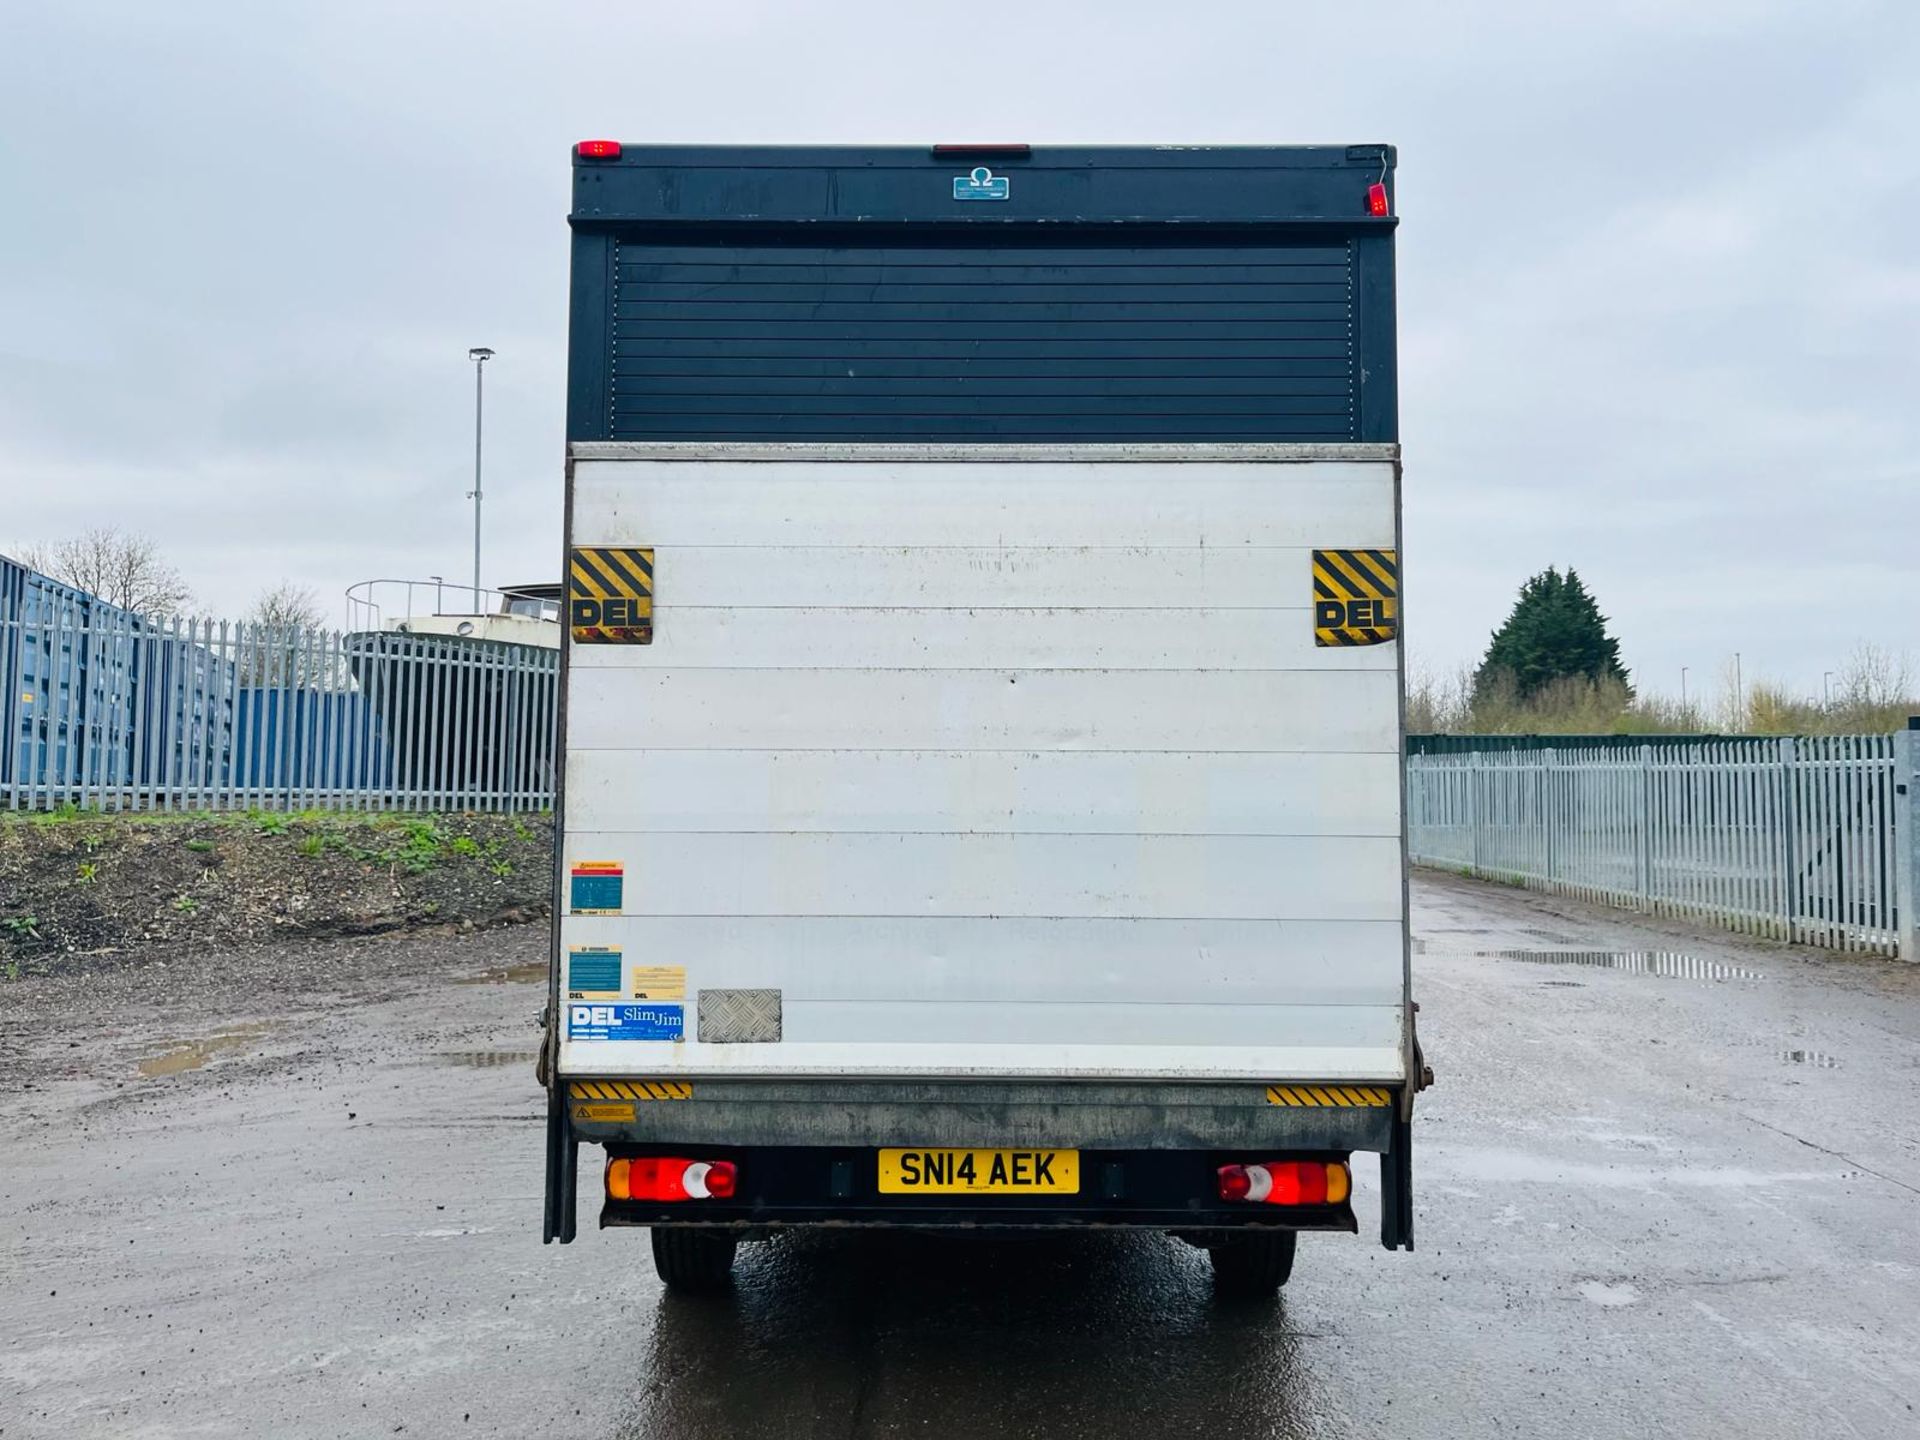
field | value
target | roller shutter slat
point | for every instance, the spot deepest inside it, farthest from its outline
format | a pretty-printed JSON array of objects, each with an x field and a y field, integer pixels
[{"x": 1075, "y": 343}]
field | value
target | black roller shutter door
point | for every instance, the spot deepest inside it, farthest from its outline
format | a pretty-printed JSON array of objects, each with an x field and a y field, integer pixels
[{"x": 943, "y": 341}]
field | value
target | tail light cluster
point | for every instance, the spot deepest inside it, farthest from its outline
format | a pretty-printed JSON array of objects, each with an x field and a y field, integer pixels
[
  {"x": 662, "y": 1177},
  {"x": 1287, "y": 1182}
]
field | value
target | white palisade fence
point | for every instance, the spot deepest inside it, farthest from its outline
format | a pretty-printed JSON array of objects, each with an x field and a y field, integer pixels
[
  {"x": 113, "y": 711},
  {"x": 1808, "y": 839}
]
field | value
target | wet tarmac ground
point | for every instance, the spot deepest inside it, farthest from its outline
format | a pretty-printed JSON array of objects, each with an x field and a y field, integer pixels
[{"x": 1669, "y": 1184}]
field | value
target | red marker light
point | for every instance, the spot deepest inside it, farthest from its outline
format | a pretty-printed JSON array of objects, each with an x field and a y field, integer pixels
[
  {"x": 598, "y": 150},
  {"x": 955, "y": 152},
  {"x": 1377, "y": 199}
]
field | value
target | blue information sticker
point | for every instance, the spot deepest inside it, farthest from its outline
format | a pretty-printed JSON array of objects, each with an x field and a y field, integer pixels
[
  {"x": 593, "y": 970},
  {"x": 598, "y": 887},
  {"x": 625, "y": 1022},
  {"x": 982, "y": 184}
]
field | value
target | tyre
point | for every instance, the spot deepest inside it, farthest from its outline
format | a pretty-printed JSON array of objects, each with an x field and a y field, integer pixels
[
  {"x": 1253, "y": 1264},
  {"x": 692, "y": 1262}
]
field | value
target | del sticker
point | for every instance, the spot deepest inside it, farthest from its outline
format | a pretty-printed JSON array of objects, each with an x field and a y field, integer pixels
[
  {"x": 625, "y": 1022},
  {"x": 659, "y": 982}
]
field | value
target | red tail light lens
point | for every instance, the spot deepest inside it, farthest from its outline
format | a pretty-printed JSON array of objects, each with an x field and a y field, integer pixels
[
  {"x": 1234, "y": 1182},
  {"x": 1286, "y": 1182},
  {"x": 1377, "y": 199},
  {"x": 598, "y": 150},
  {"x": 667, "y": 1177}
]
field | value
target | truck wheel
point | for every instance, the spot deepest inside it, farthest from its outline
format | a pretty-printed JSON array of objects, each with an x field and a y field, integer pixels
[
  {"x": 692, "y": 1261},
  {"x": 1250, "y": 1265}
]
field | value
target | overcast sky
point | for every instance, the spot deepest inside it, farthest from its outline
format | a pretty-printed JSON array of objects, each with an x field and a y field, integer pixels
[{"x": 1658, "y": 264}]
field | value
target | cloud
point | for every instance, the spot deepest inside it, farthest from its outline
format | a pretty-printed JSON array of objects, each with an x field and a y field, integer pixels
[{"x": 1657, "y": 279}]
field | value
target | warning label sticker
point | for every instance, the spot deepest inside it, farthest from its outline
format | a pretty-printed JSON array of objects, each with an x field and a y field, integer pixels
[
  {"x": 610, "y": 595},
  {"x": 598, "y": 887},
  {"x": 1356, "y": 597}
]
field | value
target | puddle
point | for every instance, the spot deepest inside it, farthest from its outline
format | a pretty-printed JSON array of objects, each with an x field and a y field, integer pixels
[
  {"x": 1609, "y": 1297},
  {"x": 1819, "y": 1059},
  {"x": 485, "y": 1059},
  {"x": 507, "y": 975},
  {"x": 1526, "y": 1167},
  {"x": 192, "y": 1054},
  {"x": 1662, "y": 963}
]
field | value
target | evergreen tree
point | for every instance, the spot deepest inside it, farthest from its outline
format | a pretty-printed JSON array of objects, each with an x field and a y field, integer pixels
[{"x": 1556, "y": 630}]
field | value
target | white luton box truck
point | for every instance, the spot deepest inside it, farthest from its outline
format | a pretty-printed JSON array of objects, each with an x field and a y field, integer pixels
[{"x": 982, "y": 698}]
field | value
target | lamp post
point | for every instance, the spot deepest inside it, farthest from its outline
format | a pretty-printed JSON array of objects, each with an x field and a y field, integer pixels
[
  {"x": 1683, "y": 688},
  {"x": 479, "y": 354}
]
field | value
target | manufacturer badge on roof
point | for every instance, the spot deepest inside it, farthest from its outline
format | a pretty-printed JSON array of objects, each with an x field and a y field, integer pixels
[{"x": 982, "y": 184}]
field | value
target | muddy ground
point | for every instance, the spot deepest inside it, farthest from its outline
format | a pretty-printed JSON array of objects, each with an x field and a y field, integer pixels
[
  {"x": 89, "y": 891},
  {"x": 1666, "y": 1185}
]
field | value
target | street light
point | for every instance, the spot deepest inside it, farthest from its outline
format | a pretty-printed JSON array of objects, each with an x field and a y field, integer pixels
[{"x": 479, "y": 354}]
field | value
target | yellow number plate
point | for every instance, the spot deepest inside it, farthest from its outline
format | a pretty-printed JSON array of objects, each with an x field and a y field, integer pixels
[{"x": 979, "y": 1172}]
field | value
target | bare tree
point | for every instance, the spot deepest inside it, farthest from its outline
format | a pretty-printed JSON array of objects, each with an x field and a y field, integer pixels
[
  {"x": 1875, "y": 692},
  {"x": 279, "y": 644},
  {"x": 122, "y": 569},
  {"x": 287, "y": 606}
]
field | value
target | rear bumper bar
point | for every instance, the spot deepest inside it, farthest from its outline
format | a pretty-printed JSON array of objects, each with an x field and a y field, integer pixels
[
  {"x": 1149, "y": 1150},
  {"x": 1080, "y": 1114}
]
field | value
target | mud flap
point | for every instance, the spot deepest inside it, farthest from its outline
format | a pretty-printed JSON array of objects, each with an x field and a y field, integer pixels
[
  {"x": 563, "y": 1168},
  {"x": 1396, "y": 1162},
  {"x": 1396, "y": 1187}
]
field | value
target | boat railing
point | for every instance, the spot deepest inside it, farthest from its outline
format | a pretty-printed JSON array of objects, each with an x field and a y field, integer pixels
[{"x": 373, "y": 603}]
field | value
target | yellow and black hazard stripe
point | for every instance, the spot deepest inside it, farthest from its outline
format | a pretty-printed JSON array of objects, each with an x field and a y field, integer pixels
[
  {"x": 1332, "y": 1097},
  {"x": 610, "y": 595},
  {"x": 629, "y": 1090},
  {"x": 1356, "y": 597}
]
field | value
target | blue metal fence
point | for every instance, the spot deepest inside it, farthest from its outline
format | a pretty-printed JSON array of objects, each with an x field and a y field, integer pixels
[{"x": 114, "y": 710}]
